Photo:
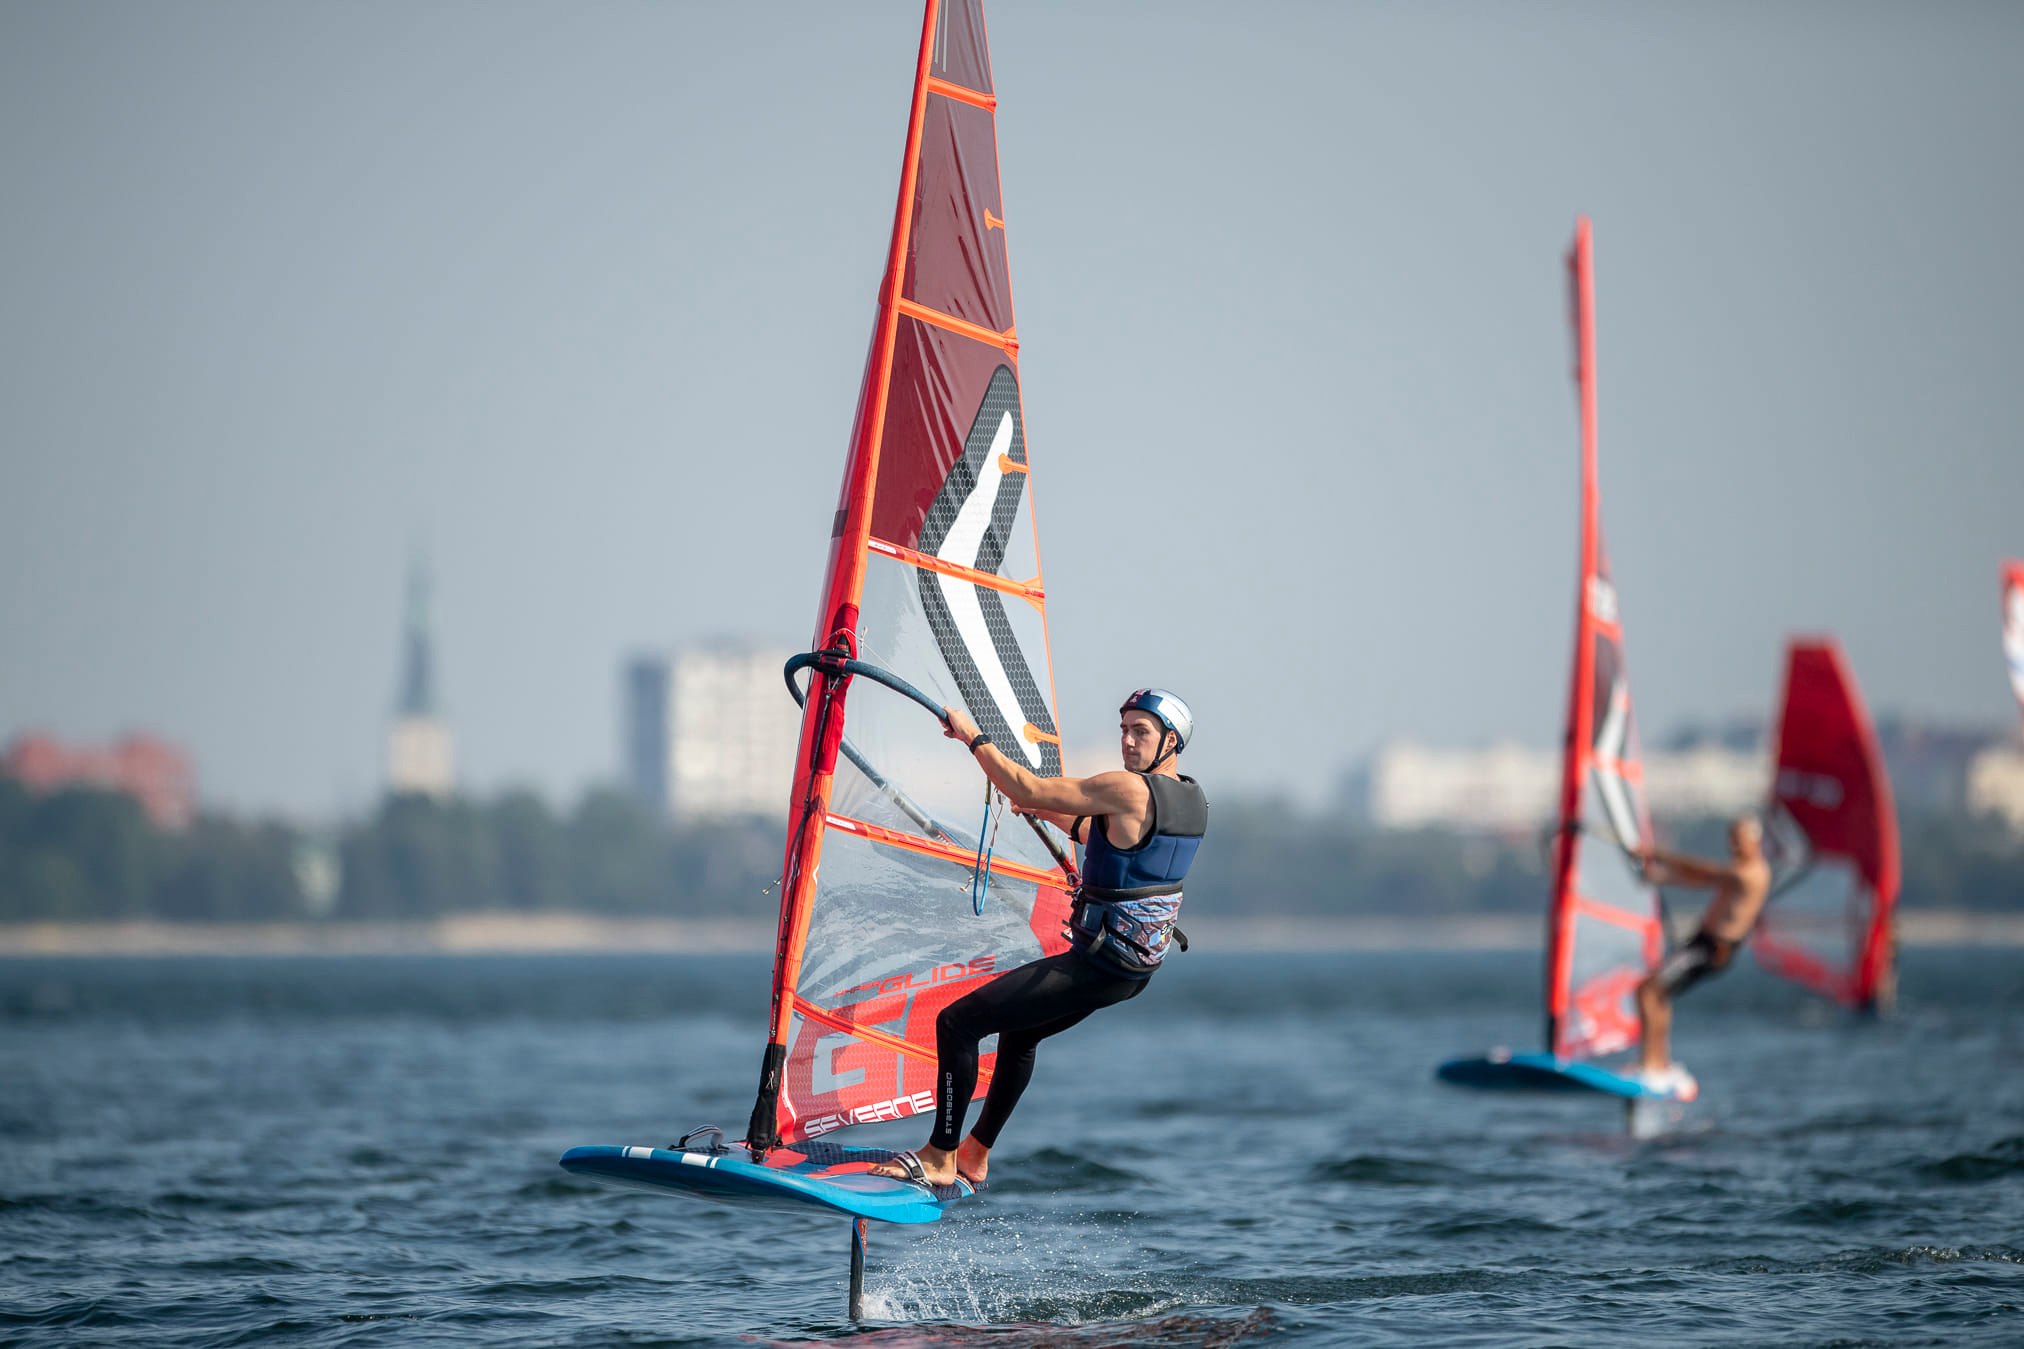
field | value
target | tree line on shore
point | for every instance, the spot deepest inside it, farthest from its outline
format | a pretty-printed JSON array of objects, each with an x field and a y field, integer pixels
[{"x": 84, "y": 855}]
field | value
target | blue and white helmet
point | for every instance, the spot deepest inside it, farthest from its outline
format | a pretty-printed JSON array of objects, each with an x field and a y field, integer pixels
[{"x": 1168, "y": 709}]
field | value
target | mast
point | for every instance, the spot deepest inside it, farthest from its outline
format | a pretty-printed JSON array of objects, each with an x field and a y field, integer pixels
[
  {"x": 1560, "y": 947},
  {"x": 836, "y": 624}
]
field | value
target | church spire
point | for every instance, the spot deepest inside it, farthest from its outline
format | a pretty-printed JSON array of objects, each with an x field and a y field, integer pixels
[
  {"x": 418, "y": 689},
  {"x": 420, "y": 757}
]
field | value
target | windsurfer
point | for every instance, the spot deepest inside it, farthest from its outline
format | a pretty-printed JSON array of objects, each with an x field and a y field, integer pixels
[
  {"x": 1741, "y": 886},
  {"x": 1140, "y": 827}
]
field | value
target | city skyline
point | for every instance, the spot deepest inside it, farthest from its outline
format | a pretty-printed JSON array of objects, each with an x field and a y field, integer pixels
[{"x": 556, "y": 290}]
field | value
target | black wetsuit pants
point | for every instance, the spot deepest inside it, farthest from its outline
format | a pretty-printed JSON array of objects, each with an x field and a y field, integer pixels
[{"x": 1022, "y": 1008}]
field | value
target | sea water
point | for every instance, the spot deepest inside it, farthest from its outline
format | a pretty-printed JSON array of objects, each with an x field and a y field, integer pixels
[{"x": 339, "y": 1151}]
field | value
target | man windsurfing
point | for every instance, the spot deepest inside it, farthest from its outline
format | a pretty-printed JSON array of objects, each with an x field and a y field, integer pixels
[
  {"x": 1741, "y": 886},
  {"x": 1140, "y": 828}
]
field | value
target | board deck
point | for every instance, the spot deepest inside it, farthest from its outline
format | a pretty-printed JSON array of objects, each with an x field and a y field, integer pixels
[
  {"x": 797, "y": 1178},
  {"x": 1504, "y": 1071}
]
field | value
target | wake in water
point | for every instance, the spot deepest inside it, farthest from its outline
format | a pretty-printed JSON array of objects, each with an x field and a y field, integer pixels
[
  {"x": 1208, "y": 1332},
  {"x": 992, "y": 1268}
]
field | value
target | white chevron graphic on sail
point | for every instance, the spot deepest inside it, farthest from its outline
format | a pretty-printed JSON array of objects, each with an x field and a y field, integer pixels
[{"x": 961, "y": 546}]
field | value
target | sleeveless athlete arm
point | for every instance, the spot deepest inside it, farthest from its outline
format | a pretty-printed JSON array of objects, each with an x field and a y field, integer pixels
[
  {"x": 1111, "y": 793},
  {"x": 1675, "y": 869}
]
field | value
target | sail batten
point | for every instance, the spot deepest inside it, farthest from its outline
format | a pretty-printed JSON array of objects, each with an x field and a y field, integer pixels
[
  {"x": 1007, "y": 341},
  {"x": 934, "y": 577},
  {"x": 1604, "y": 924},
  {"x": 961, "y": 94},
  {"x": 927, "y": 847}
]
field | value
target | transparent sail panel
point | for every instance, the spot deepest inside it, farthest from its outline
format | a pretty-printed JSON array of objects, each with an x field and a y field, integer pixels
[
  {"x": 887, "y": 913},
  {"x": 894, "y": 938},
  {"x": 1602, "y": 1005},
  {"x": 1612, "y": 929},
  {"x": 905, "y": 745},
  {"x": 1814, "y": 930},
  {"x": 1604, "y": 872},
  {"x": 1022, "y": 553}
]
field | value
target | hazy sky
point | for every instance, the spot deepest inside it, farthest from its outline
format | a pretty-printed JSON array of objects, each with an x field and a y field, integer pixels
[{"x": 576, "y": 297}]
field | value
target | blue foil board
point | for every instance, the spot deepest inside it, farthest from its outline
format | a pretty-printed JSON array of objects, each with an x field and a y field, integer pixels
[
  {"x": 799, "y": 1178},
  {"x": 1504, "y": 1071}
]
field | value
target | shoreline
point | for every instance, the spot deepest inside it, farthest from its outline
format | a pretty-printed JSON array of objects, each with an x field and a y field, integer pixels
[{"x": 494, "y": 934}]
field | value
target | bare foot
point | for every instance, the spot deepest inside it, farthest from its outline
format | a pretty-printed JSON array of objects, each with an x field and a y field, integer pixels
[
  {"x": 973, "y": 1161},
  {"x": 937, "y": 1167}
]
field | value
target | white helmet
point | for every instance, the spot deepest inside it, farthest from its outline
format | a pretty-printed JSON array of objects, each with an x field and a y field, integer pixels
[{"x": 1169, "y": 710}]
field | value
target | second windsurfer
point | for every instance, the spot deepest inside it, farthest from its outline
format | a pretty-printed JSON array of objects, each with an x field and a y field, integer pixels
[
  {"x": 1741, "y": 886},
  {"x": 1140, "y": 828}
]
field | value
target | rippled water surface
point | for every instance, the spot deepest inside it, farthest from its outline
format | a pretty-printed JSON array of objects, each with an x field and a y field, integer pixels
[{"x": 338, "y": 1151}]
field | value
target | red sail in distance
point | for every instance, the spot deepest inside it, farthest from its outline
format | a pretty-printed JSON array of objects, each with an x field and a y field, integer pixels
[
  {"x": 1830, "y": 928},
  {"x": 1604, "y": 927},
  {"x": 2013, "y": 626}
]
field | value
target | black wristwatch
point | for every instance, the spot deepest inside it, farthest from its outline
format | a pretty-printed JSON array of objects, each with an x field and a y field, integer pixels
[{"x": 978, "y": 739}]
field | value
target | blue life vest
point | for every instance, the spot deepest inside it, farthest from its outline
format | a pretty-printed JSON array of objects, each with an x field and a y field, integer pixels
[{"x": 1130, "y": 898}]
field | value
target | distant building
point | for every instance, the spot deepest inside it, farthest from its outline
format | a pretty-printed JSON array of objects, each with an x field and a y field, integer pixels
[
  {"x": 1511, "y": 789},
  {"x": 643, "y": 730},
  {"x": 1996, "y": 785},
  {"x": 154, "y": 772},
  {"x": 1724, "y": 771},
  {"x": 420, "y": 755},
  {"x": 708, "y": 731},
  {"x": 1504, "y": 789},
  {"x": 1707, "y": 779},
  {"x": 1929, "y": 765}
]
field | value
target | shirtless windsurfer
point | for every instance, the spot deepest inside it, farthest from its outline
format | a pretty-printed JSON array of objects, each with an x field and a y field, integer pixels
[{"x": 1741, "y": 886}]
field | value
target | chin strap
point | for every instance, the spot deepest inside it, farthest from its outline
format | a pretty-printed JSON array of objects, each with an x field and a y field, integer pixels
[{"x": 1165, "y": 754}]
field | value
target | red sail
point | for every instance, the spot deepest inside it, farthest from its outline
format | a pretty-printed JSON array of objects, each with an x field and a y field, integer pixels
[
  {"x": 1833, "y": 834},
  {"x": 1604, "y": 926},
  {"x": 934, "y": 575},
  {"x": 2013, "y": 626}
]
